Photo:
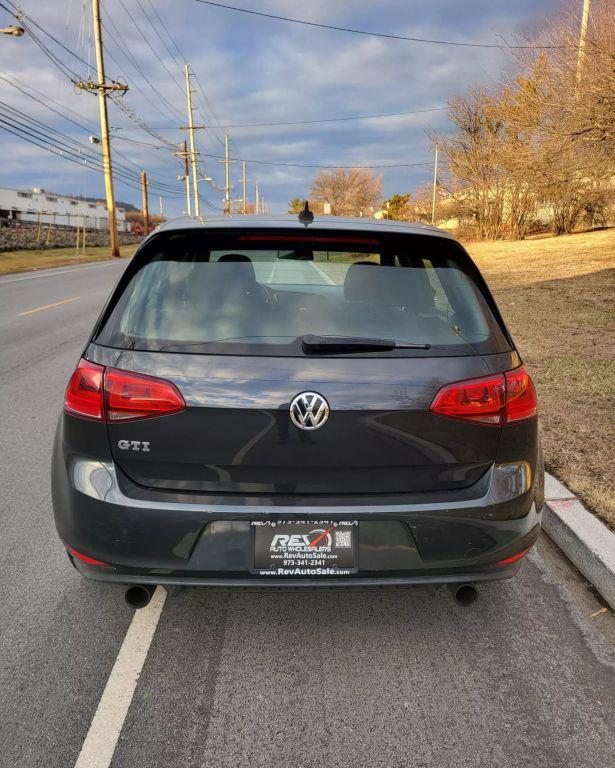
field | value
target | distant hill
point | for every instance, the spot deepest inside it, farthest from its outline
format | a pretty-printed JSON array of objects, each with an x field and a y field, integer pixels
[
  {"x": 126, "y": 206},
  {"x": 118, "y": 204}
]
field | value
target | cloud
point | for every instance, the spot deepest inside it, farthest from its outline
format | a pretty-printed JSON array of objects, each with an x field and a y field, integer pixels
[{"x": 259, "y": 70}]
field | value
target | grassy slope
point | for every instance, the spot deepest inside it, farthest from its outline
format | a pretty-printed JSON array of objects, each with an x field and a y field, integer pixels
[
  {"x": 557, "y": 296},
  {"x": 22, "y": 261}
]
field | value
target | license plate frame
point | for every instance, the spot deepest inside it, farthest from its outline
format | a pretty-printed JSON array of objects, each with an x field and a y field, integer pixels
[{"x": 304, "y": 548}]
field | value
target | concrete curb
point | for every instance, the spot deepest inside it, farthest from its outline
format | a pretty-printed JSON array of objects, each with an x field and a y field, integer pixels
[{"x": 587, "y": 542}]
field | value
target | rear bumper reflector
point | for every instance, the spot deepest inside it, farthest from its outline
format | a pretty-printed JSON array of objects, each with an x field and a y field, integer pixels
[
  {"x": 86, "y": 558},
  {"x": 514, "y": 558}
]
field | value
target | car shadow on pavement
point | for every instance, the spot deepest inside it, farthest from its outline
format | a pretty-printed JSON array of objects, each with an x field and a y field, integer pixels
[{"x": 370, "y": 678}]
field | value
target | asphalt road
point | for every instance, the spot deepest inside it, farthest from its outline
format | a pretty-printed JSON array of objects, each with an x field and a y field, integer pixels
[{"x": 388, "y": 679}]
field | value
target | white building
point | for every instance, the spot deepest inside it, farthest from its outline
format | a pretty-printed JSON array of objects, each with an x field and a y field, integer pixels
[{"x": 38, "y": 205}]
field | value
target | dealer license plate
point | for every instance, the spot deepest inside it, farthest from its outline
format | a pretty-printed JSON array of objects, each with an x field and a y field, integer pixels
[{"x": 313, "y": 548}]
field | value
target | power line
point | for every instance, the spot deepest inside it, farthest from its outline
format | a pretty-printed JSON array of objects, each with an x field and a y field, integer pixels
[
  {"x": 334, "y": 119},
  {"x": 173, "y": 78},
  {"x": 154, "y": 52},
  {"x": 81, "y": 147},
  {"x": 146, "y": 39},
  {"x": 64, "y": 68},
  {"x": 165, "y": 27},
  {"x": 138, "y": 141},
  {"x": 46, "y": 102},
  {"x": 318, "y": 165},
  {"x": 20, "y": 15},
  {"x": 134, "y": 83},
  {"x": 214, "y": 124},
  {"x": 59, "y": 152},
  {"x": 155, "y": 28},
  {"x": 54, "y": 149},
  {"x": 43, "y": 96},
  {"x": 140, "y": 122},
  {"x": 207, "y": 110},
  {"x": 322, "y": 120},
  {"x": 212, "y": 206},
  {"x": 65, "y": 147},
  {"x": 172, "y": 111},
  {"x": 55, "y": 60},
  {"x": 202, "y": 96},
  {"x": 66, "y": 143},
  {"x": 376, "y": 34}
]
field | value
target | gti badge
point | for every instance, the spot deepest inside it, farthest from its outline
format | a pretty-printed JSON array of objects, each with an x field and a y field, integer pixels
[
  {"x": 133, "y": 445},
  {"x": 309, "y": 411}
]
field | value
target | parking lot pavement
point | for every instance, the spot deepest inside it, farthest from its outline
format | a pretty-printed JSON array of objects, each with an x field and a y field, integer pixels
[{"x": 360, "y": 678}]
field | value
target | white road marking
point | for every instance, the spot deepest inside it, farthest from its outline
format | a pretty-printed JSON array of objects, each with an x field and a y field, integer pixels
[
  {"x": 272, "y": 275},
  {"x": 49, "y": 306},
  {"x": 106, "y": 726},
  {"x": 56, "y": 272},
  {"x": 322, "y": 273}
]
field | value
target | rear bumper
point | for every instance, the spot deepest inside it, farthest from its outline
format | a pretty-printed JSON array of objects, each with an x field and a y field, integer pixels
[
  {"x": 115, "y": 576},
  {"x": 187, "y": 543}
]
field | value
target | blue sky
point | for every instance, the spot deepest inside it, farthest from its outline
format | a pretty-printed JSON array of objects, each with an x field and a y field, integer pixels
[{"x": 258, "y": 70}]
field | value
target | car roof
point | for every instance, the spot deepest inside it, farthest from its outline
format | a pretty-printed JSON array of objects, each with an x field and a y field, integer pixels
[{"x": 239, "y": 221}]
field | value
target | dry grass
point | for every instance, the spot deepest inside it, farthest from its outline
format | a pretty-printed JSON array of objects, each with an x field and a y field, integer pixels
[
  {"x": 22, "y": 261},
  {"x": 557, "y": 296}
]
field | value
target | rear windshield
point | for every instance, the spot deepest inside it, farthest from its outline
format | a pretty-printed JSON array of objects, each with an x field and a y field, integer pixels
[{"x": 260, "y": 293}]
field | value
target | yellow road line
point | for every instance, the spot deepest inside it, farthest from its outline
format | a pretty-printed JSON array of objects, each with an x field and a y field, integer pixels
[{"x": 48, "y": 306}]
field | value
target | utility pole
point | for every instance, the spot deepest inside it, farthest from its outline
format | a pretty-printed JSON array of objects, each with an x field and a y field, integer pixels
[
  {"x": 161, "y": 203},
  {"x": 144, "y": 204},
  {"x": 257, "y": 206},
  {"x": 186, "y": 177},
  {"x": 582, "y": 40},
  {"x": 191, "y": 128},
  {"x": 435, "y": 184},
  {"x": 102, "y": 87},
  {"x": 244, "y": 196},
  {"x": 227, "y": 186}
]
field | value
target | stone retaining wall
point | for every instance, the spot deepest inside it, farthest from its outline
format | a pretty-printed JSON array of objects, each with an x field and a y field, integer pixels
[{"x": 24, "y": 237}]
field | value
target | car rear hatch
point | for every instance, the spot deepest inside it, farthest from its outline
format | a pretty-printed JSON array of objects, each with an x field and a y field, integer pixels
[{"x": 176, "y": 318}]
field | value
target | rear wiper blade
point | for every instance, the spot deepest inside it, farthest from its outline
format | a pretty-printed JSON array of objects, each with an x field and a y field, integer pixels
[{"x": 332, "y": 344}]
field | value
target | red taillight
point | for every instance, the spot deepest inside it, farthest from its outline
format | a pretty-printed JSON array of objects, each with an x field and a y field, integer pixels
[
  {"x": 521, "y": 400},
  {"x": 84, "y": 394},
  {"x": 133, "y": 396},
  {"x": 86, "y": 558},
  {"x": 500, "y": 399},
  {"x": 477, "y": 399},
  {"x": 107, "y": 394}
]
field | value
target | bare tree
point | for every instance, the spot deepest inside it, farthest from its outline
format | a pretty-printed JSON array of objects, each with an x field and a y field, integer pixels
[
  {"x": 354, "y": 192},
  {"x": 420, "y": 203},
  {"x": 575, "y": 96},
  {"x": 472, "y": 153},
  {"x": 546, "y": 141},
  {"x": 563, "y": 107}
]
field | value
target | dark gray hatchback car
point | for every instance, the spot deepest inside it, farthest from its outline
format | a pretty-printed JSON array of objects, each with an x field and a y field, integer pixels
[{"x": 308, "y": 403}]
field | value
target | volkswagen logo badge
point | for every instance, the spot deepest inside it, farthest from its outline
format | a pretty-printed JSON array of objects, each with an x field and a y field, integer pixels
[{"x": 309, "y": 411}]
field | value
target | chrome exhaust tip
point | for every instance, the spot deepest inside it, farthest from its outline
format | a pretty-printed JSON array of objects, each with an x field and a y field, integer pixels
[{"x": 139, "y": 595}]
